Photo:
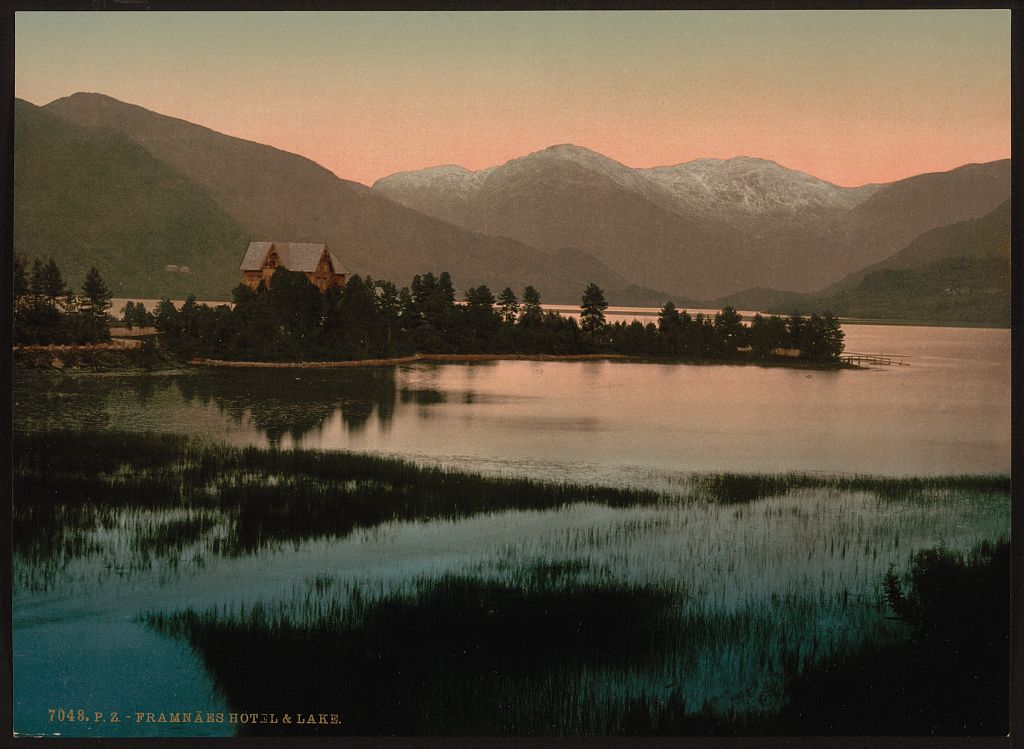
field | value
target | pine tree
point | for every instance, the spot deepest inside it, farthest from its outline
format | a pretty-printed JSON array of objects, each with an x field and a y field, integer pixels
[
  {"x": 592, "y": 307},
  {"x": 444, "y": 285},
  {"x": 795, "y": 329},
  {"x": 53, "y": 285},
  {"x": 509, "y": 306},
  {"x": 531, "y": 312},
  {"x": 480, "y": 315},
  {"x": 670, "y": 329},
  {"x": 729, "y": 327},
  {"x": 37, "y": 281},
  {"x": 97, "y": 296},
  {"x": 669, "y": 319},
  {"x": 128, "y": 314},
  {"x": 834, "y": 336},
  {"x": 20, "y": 280}
]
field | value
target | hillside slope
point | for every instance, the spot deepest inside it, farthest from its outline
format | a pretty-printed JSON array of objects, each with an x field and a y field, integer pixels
[
  {"x": 87, "y": 197},
  {"x": 272, "y": 194},
  {"x": 901, "y": 211},
  {"x": 987, "y": 237},
  {"x": 958, "y": 273}
]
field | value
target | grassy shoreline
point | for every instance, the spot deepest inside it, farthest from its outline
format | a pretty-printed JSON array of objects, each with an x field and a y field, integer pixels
[
  {"x": 68, "y": 484},
  {"x": 412, "y": 359},
  {"x": 132, "y": 360}
]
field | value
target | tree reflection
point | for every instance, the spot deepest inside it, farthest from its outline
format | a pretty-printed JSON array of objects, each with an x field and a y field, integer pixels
[{"x": 292, "y": 402}]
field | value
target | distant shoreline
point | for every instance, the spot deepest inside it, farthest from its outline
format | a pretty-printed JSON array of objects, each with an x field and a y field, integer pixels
[
  {"x": 649, "y": 314},
  {"x": 108, "y": 359},
  {"x": 412, "y": 359},
  {"x": 469, "y": 358}
]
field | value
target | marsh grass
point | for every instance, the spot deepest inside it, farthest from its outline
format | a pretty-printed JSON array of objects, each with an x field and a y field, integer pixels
[
  {"x": 70, "y": 484},
  {"x": 539, "y": 653},
  {"x": 948, "y": 675},
  {"x": 443, "y": 602},
  {"x": 162, "y": 494},
  {"x": 543, "y": 650},
  {"x": 738, "y": 488}
]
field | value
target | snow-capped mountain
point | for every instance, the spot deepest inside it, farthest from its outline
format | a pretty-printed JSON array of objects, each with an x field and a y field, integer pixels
[
  {"x": 444, "y": 192},
  {"x": 454, "y": 193},
  {"x": 707, "y": 227},
  {"x": 756, "y": 187},
  {"x": 738, "y": 187}
]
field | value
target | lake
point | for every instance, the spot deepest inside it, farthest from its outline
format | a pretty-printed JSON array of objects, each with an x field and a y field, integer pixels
[
  {"x": 608, "y": 422},
  {"x": 737, "y": 591}
]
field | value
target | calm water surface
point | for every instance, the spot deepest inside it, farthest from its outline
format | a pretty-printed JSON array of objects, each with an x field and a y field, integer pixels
[{"x": 947, "y": 412}]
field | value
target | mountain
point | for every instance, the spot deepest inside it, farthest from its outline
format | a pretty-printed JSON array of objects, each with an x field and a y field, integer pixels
[
  {"x": 271, "y": 194},
  {"x": 570, "y": 196},
  {"x": 985, "y": 238},
  {"x": 92, "y": 197},
  {"x": 99, "y": 181},
  {"x": 895, "y": 215},
  {"x": 745, "y": 186},
  {"x": 958, "y": 273},
  {"x": 442, "y": 191},
  {"x": 707, "y": 227}
]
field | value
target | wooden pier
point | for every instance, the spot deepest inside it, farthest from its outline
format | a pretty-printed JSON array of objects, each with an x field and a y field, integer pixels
[{"x": 887, "y": 360}]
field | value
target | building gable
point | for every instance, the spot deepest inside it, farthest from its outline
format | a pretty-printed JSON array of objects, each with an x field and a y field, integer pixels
[{"x": 315, "y": 259}]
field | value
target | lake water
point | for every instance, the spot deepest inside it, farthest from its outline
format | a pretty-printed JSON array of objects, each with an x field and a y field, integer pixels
[
  {"x": 804, "y": 565},
  {"x": 617, "y": 423}
]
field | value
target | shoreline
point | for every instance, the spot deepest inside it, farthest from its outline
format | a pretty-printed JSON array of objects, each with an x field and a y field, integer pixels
[
  {"x": 392, "y": 361},
  {"x": 470, "y": 358},
  {"x": 125, "y": 359}
]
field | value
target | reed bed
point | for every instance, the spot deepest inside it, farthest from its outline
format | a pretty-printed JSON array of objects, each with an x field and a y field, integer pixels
[
  {"x": 540, "y": 654},
  {"x": 507, "y": 606},
  {"x": 543, "y": 651},
  {"x": 169, "y": 492}
]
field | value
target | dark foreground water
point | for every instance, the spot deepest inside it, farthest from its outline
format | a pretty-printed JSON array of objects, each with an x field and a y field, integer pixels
[{"x": 781, "y": 579}]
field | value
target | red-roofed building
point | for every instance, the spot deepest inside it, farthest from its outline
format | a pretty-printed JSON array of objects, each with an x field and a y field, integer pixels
[{"x": 315, "y": 259}]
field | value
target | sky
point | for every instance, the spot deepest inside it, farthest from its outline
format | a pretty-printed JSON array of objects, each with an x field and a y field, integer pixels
[{"x": 853, "y": 96}]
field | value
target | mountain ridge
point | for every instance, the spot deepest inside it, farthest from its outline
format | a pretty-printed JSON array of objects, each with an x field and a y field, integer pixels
[
  {"x": 646, "y": 180},
  {"x": 514, "y": 224},
  {"x": 708, "y": 226},
  {"x": 273, "y": 193}
]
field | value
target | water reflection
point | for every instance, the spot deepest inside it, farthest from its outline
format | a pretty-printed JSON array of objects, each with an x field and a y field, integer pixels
[
  {"x": 610, "y": 423},
  {"x": 285, "y": 403},
  {"x": 275, "y": 404}
]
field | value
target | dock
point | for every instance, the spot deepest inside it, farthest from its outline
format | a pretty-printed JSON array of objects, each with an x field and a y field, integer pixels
[{"x": 887, "y": 360}]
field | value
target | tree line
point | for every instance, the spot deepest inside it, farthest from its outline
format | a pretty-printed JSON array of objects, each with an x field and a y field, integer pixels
[
  {"x": 47, "y": 310},
  {"x": 292, "y": 320}
]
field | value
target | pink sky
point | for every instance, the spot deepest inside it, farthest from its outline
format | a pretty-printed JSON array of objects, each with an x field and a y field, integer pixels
[{"x": 849, "y": 96}]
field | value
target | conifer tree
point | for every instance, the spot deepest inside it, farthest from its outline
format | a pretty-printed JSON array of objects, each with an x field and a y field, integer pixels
[
  {"x": 592, "y": 307},
  {"x": 97, "y": 296},
  {"x": 509, "y": 306},
  {"x": 53, "y": 285},
  {"x": 531, "y": 312}
]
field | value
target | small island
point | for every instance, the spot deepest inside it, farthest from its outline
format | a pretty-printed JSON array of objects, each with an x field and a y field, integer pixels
[{"x": 281, "y": 316}]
